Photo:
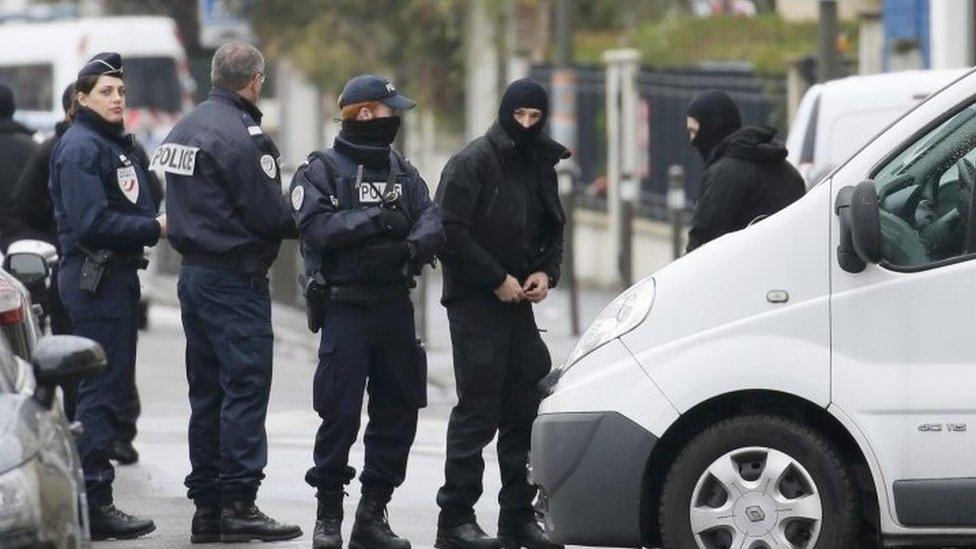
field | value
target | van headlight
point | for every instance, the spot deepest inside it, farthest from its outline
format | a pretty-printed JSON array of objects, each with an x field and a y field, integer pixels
[
  {"x": 18, "y": 497},
  {"x": 622, "y": 315}
]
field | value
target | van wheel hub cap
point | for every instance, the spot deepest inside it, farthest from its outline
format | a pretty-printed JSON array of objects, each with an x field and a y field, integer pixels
[{"x": 756, "y": 498}]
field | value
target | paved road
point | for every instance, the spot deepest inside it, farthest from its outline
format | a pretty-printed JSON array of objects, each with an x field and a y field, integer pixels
[{"x": 154, "y": 486}]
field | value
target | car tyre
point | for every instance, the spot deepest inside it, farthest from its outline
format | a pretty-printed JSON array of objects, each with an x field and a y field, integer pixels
[{"x": 759, "y": 482}]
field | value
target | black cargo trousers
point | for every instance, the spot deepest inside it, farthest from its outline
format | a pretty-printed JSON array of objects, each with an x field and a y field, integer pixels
[{"x": 499, "y": 358}]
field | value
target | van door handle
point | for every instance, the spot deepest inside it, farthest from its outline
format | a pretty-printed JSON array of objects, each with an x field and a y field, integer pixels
[{"x": 778, "y": 296}]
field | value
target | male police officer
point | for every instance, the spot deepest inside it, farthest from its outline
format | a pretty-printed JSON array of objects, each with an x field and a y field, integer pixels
[
  {"x": 367, "y": 225},
  {"x": 228, "y": 218}
]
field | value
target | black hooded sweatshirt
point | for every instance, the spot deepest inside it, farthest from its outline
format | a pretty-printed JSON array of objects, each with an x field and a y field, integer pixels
[
  {"x": 746, "y": 178},
  {"x": 499, "y": 202}
]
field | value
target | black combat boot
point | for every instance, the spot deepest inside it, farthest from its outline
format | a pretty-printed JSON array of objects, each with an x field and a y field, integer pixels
[
  {"x": 123, "y": 452},
  {"x": 205, "y": 527},
  {"x": 371, "y": 529},
  {"x": 328, "y": 520},
  {"x": 466, "y": 536},
  {"x": 242, "y": 521},
  {"x": 107, "y": 522},
  {"x": 528, "y": 535}
]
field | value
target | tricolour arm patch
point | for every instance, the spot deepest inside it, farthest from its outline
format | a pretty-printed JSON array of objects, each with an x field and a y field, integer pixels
[{"x": 175, "y": 159}]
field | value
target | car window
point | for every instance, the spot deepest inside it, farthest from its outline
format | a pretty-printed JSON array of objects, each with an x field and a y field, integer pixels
[
  {"x": 152, "y": 83},
  {"x": 926, "y": 195}
]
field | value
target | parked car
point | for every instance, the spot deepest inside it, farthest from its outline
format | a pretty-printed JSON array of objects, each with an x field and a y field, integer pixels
[
  {"x": 806, "y": 382},
  {"x": 42, "y": 490},
  {"x": 837, "y": 118}
]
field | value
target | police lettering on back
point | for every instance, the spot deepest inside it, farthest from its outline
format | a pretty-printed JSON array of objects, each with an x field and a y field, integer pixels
[{"x": 175, "y": 159}]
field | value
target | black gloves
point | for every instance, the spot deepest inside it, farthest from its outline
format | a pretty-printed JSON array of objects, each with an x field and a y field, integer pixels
[{"x": 392, "y": 221}]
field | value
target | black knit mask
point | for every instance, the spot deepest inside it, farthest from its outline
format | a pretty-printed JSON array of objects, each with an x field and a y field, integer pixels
[
  {"x": 718, "y": 117},
  {"x": 523, "y": 94}
]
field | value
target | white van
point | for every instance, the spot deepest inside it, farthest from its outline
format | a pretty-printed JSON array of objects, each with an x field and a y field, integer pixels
[
  {"x": 40, "y": 59},
  {"x": 807, "y": 382},
  {"x": 837, "y": 118}
]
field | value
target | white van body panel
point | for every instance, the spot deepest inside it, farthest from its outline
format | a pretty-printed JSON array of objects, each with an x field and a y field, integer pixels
[
  {"x": 730, "y": 337},
  {"x": 629, "y": 390},
  {"x": 900, "y": 350}
]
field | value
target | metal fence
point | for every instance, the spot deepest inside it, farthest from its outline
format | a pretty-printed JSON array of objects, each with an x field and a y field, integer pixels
[{"x": 664, "y": 97}]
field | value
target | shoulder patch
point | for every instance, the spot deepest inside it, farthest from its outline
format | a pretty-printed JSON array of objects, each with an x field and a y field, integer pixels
[
  {"x": 297, "y": 197},
  {"x": 269, "y": 165},
  {"x": 175, "y": 159}
]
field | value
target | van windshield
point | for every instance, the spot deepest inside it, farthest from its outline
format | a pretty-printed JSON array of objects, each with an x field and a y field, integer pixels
[
  {"x": 33, "y": 85},
  {"x": 152, "y": 83}
]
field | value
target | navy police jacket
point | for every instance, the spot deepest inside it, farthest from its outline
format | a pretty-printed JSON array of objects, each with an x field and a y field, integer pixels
[
  {"x": 100, "y": 190},
  {"x": 224, "y": 203},
  {"x": 336, "y": 210}
]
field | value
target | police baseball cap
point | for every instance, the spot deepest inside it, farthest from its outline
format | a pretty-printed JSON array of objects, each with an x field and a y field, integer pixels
[
  {"x": 103, "y": 63},
  {"x": 371, "y": 87}
]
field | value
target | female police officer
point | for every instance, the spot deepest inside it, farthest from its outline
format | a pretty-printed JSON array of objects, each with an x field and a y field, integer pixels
[
  {"x": 367, "y": 225},
  {"x": 105, "y": 218}
]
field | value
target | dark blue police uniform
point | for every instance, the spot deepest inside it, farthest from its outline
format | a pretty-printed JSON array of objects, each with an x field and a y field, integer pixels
[
  {"x": 368, "y": 337},
  {"x": 101, "y": 198},
  {"x": 227, "y": 217}
]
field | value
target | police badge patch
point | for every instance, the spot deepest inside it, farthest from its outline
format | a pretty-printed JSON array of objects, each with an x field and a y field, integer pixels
[
  {"x": 297, "y": 197},
  {"x": 269, "y": 166},
  {"x": 128, "y": 183}
]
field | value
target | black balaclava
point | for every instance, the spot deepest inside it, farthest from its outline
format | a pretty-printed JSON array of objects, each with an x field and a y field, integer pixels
[
  {"x": 368, "y": 141},
  {"x": 718, "y": 117},
  {"x": 7, "y": 106},
  {"x": 524, "y": 93}
]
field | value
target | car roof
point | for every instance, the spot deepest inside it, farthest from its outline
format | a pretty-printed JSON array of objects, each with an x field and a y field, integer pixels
[{"x": 855, "y": 93}]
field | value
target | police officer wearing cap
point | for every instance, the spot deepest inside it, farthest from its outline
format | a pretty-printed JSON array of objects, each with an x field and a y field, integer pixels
[
  {"x": 105, "y": 218},
  {"x": 228, "y": 216},
  {"x": 367, "y": 227}
]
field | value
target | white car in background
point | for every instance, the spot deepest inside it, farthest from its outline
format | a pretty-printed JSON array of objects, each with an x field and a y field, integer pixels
[
  {"x": 804, "y": 383},
  {"x": 837, "y": 118}
]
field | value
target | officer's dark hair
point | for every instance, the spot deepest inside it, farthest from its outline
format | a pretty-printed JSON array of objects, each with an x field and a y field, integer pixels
[
  {"x": 84, "y": 84},
  {"x": 234, "y": 65}
]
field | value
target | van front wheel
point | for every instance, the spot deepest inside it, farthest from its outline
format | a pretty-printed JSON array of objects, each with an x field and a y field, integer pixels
[{"x": 759, "y": 482}]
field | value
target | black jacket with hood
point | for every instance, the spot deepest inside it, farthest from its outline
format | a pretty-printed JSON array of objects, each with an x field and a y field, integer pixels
[
  {"x": 16, "y": 147},
  {"x": 746, "y": 177},
  {"x": 482, "y": 195}
]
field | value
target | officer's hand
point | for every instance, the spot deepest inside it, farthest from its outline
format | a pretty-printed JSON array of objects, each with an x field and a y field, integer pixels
[
  {"x": 163, "y": 227},
  {"x": 393, "y": 221},
  {"x": 509, "y": 291},
  {"x": 536, "y": 287}
]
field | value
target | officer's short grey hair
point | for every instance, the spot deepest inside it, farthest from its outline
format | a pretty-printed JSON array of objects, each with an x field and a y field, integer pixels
[{"x": 234, "y": 65}]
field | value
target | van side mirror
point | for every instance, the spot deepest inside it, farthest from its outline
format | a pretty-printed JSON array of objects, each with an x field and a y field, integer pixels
[
  {"x": 60, "y": 359},
  {"x": 860, "y": 227}
]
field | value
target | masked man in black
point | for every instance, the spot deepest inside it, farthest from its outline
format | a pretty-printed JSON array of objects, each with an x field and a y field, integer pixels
[
  {"x": 746, "y": 175},
  {"x": 504, "y": 228}
]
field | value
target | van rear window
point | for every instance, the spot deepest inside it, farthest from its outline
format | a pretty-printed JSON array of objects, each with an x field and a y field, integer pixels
[
  {"x": 33, "y": 85},
  {"x": 152, "y": 83}
]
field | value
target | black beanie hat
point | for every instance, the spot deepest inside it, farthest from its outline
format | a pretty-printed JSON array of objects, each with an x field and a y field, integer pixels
[
  {"x": 718, "y": 117},
  {"x": 524, "y": 93},
  {"x": 7, "y": 105}
]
